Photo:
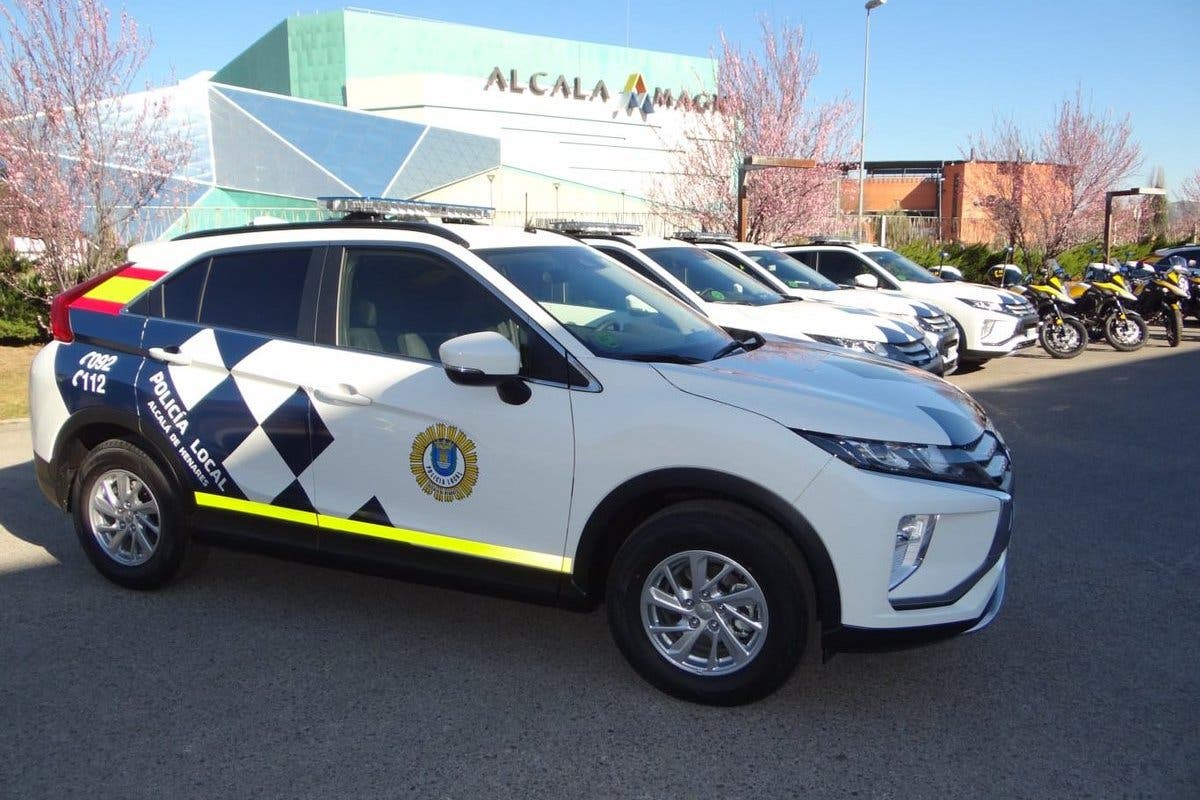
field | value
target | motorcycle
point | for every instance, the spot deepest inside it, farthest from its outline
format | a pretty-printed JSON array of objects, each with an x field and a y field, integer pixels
[
  {"x": 1100, "y": 300},
  {"x": 1061, "y": 335},
  {"x": 1160, "y": 294}
]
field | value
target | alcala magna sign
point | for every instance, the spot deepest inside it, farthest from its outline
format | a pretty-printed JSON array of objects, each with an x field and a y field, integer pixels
[{"x": 635, "y": 94}]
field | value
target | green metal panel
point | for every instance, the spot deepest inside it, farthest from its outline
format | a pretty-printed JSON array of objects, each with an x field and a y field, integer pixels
[
  {"x": 317, "y": 57},
  {"x": 263, "y": 65},
  {"x": 380, "y": 44},
  {"x": 232, "y": 198},
  {"x": 312, "y": 55}
]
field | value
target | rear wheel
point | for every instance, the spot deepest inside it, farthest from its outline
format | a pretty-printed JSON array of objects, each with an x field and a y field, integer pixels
[
  {"x": 1173, "y": 322},
  {"x": 1063, "y": 338},
  {"x": 1125, "y": 332},
  {"x": 710, "y": 601},
  {"x": 128, "y": 517}
]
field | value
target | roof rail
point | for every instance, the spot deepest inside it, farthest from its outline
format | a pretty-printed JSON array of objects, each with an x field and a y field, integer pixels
[
  {"x": 431, "y": 228},
  {"x": 706, "y": 237}
]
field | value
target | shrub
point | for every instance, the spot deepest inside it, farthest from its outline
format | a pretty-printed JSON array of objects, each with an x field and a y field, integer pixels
[{"x": 22, "y": 318}]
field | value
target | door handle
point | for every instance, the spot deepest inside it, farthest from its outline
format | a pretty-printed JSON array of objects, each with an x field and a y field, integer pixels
[
  {"x": 170, "y": 356},
  {"x": 341, "y": 395}
]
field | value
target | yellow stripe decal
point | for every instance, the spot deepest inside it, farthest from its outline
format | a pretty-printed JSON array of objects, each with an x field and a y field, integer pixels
[
  {"x": 432, "y": 541},
  {"x": 257, "y": 509},
  {"x": 118, "y": 289}
]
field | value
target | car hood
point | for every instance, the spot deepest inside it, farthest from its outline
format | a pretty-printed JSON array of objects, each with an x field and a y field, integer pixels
[
  {"x": 812, "y": 319},
  {"x": 956, "y": 290},
  {"x": 832, "y": 390},
  {"x": 871, "y": 300}
]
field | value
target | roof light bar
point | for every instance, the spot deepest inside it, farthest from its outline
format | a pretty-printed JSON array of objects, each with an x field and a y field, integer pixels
[
  {"x": 829, "y": 240},
  {"x": 390, "y": 207},
  {"x": 582, "y": 228},
  {"x": 704, "y": 236}
]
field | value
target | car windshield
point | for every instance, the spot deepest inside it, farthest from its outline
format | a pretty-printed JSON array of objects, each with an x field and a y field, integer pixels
[
  {"x": 711, "y": 278},
  {"x": 901, "y": 267},
  {"x": 793, "y": 273},
  {"x": 614, "y": 312}
]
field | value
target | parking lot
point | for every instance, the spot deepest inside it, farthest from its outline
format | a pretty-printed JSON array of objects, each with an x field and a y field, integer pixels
[{"x": 258, "y": 677}]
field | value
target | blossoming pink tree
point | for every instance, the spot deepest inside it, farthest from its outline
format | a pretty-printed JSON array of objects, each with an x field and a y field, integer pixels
[
  {"x": 1046, "y": 193},
  {"x": 76, "y": 162},
  {"x": 764, "y": 109}
]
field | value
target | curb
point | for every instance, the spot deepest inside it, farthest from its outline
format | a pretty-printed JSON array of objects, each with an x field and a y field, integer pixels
[{"x": 12, "y": 423}]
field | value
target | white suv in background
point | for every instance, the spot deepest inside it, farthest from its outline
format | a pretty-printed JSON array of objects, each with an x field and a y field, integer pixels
[
  {"x": 788, "y": 276},
  {"x": 737, "y": 301},
  {"x": 991, "y": 322}
]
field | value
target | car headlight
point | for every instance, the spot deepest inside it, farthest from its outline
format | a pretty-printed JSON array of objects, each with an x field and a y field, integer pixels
[
  {"x": 861, "y": 345},
  {"x": 995, "y": 306},
  {"x": 982, "y": 463}
]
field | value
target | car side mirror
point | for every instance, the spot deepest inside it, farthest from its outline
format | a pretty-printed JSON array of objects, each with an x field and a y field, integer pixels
[
  {"x": 485, "y": 359},
  {"x": 865, "y": 280}
]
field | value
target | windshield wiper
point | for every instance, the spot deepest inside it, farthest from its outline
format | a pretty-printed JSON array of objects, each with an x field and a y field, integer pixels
[{"x": 752, "y": 342}]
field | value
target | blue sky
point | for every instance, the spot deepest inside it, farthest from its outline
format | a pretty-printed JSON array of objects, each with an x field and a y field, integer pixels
[{"x": 940, "y": 69}]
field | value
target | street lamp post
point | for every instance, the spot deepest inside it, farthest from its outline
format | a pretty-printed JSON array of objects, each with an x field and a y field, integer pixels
[
  {"x": 870, "y": 6},
  {"x": 1108, "y": 198}
]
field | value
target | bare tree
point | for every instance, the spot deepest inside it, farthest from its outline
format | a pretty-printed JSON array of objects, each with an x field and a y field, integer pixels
[
  {"x": 79, "y": 157},
  {"x": 1046, "y": 193},
  {"x": 764, "y": 109}
]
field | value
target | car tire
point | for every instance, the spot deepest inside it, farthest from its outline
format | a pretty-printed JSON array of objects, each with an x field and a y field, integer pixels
[
  {"x": 723, "y": 658},
  {"x": 129, "y": 518}
]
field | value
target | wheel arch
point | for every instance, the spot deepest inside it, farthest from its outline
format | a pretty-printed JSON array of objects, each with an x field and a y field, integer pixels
[
  {"x": 87, "y": 428},
  {"x": 616, "y": 516}
]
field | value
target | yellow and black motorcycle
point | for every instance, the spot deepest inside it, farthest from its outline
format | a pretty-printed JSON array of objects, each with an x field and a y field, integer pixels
[
  {"x": 1161, "y": 294},
  {"x": 1100, "y": 302},
  {"x": 1060, "y": 334}
]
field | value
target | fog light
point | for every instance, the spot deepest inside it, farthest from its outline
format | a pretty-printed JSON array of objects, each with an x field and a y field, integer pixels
[
  {"x": 912, "y": 540},
  {"x": 989, "y": 325}
]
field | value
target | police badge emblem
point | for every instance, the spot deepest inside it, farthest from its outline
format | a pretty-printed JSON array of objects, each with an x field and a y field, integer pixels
[{"x": 444, "y": 462}]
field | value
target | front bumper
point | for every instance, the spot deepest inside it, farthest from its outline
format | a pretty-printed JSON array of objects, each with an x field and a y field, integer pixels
[
  {"x": 855, "y": 512},
  {"x": 846, "y": 638},
  {"x": 1007, "y": 335}
]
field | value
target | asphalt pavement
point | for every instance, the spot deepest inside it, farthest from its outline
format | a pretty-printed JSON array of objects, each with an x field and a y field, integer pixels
[{"x": 258, "y": 677}]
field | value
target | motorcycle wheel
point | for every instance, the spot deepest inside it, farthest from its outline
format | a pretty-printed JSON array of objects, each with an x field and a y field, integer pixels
[
  {"x": 1127, "y": 334},
  {"x": 1173, "y": 322},
  {"x": 1063, "y": 341}
]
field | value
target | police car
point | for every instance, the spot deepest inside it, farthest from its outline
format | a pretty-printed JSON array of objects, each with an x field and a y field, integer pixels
[
  {"x": 790, "y": 277},
  {"x": 512, "y": 411},
  {"x": 991, "y": 323},
  {"x": 735, "y": 300}
]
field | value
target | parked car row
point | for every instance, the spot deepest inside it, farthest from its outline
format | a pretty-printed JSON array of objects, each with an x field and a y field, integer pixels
[{"x": 577, "y": 417}]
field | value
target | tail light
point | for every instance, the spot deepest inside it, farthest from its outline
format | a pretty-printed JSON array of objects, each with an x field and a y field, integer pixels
[{"x": 60, "y": 309}]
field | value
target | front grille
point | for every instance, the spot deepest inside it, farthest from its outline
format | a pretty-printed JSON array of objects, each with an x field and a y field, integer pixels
[
  {"x": 991, "y": 457},
  {"x": 936, "y": 324},
  {"x": 915, "y": 352}
]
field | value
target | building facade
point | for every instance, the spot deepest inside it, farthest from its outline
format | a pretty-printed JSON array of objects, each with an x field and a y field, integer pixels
[{"x": 357, "y": 102}]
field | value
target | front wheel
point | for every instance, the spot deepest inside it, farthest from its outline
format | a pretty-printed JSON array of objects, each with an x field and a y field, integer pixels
[
  {"x": 128, "y": 517},
  {"x": 1173, "y": 322},
  {"x": 1064, "y": 337},
  {"x": 711, "y": 602},
  {"x": 1125, "y": 332}
]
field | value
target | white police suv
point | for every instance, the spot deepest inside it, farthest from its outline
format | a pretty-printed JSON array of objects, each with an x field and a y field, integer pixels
[
  {"x": 793, "y": 278},
  {"x": 738, "y": 301},
  {"x": 991, "y": 322},
  {"x": 511, "y": 411}
]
